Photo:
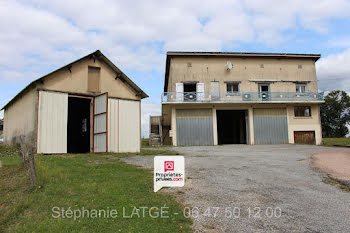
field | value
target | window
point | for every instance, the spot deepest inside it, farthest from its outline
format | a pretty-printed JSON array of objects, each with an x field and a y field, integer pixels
[
  {"x": 232, "y": 87},
  {"x": 300, "y": 88},
  {"x": 302, "y": 111},
  {"x": 264, "y": 88},
  {"x": 94, "y": 79}
]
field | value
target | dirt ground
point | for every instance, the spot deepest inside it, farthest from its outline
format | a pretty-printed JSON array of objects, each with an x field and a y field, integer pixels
[{"x": 336, "y": 163}]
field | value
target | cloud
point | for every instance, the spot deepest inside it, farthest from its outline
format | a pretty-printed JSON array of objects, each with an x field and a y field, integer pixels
[
  {"x": 333, "y": 71},
  {"x": 39, "y": 36},
  {"x": 148, "y": 109},
  {"x": 57, "y": 31}
]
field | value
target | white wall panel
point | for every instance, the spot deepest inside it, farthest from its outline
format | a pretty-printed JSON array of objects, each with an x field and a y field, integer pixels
[
  {"x": 100, "y": 123},
  {"x": 129, "y": 126},
  {"x": 52, "y": 122},
  {"x": 113, "y": 135},
  {"x": 100, "y": 142},
  {"x": 100, "y": 104}
]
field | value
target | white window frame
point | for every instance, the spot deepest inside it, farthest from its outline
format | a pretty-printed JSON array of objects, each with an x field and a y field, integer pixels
[
  {"x": 299, "y": 88},
  {"x": 232, "y": 92}
]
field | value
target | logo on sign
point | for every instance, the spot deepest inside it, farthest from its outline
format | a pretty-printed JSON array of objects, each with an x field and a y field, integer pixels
[
  {"x": 168, "y": 166},
  {"x": 166, "y": 174}
]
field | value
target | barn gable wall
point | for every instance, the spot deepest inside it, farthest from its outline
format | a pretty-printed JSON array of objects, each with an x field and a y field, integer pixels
[
  {"x": 20, "y": 118},
  {"x": 76, "y": 81}
]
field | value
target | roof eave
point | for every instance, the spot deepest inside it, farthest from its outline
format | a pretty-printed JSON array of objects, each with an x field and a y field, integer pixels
[{"x": 98, "y": 54}]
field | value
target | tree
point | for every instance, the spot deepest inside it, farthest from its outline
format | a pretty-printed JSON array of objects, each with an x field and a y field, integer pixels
[{"x": 335, "y": 114}]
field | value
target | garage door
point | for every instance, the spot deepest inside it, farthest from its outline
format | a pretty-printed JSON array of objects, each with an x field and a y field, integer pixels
[
  {"x": 304, "y": 137},
  {"x": 270, "y": 126},
  {"x": 194, "y": 127}
]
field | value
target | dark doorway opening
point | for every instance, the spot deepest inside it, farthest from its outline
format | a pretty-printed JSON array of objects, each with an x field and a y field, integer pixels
[
  {"x": 231, "y": 126},
  {"x": 78, "y": 129},
  {"x": 190, "y": 90}
]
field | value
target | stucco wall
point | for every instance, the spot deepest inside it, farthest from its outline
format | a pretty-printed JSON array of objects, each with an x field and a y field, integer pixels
[
  {"x": 214, "y": 69},
  {"x": 312, "y": 123},
  {"x": 20, "y": 117},
  {"x": 77, "y": 80}
]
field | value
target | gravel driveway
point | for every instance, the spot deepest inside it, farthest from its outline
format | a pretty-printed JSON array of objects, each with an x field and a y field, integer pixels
[{"x": 258, "y": 181}]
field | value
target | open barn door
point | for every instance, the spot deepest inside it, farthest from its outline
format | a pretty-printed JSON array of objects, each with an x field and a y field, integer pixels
[{"x": 100, "y": 123}]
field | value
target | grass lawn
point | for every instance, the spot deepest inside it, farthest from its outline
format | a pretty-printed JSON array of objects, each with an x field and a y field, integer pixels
[
  {"x": 336, "y": 141},
  {"x": 145, "y": 144},
  {"x": 92, "y": 181}
]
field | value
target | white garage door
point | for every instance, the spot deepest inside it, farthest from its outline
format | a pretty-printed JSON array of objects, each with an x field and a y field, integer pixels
[{"x": 52, "y": 122}]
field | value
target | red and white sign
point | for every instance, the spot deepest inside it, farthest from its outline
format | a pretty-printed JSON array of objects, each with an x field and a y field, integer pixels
[{"x": 169, "y": 171}]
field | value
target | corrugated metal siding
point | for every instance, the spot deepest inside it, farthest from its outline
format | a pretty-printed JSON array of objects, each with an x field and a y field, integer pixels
[
  {"x": 100, "y": 104},
  {"x": 194, "y": 127},
  {"x": 100, "y": 143},
  {"x": 270, "y": 112},
  {"x": 100, "y": 123},
  {"x": 194, "y": 113},
  {"x": 52, "y": 122},
  {"x": 270, "y": 126},
  {"x": 113, "y": 131},
  {"x": 129, "y": 126}
]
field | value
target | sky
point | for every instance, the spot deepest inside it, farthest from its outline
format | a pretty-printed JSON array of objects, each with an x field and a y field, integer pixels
[{"x": 39, "y": 36}]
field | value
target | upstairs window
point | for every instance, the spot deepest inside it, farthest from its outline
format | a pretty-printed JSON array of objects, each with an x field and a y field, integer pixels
[
  {"x": 94, "y": 79},
  {"x": 302, "y": 111},
  {"x": 300, "y": 88},
  {"x": 232, "y": 88}
]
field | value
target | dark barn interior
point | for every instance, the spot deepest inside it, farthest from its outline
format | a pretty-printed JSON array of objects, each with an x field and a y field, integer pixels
[
  {"x": 78, "y": 131},
  {"x": 231, "y": 127}
]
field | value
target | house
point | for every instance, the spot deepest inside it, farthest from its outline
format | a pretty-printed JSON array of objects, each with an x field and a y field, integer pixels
[
  {"x": 88, "y": 105},
  {"x": 213, "y": 98}
]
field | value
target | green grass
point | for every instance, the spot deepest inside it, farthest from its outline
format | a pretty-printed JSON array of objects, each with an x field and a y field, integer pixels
[
  {"x": 336, "y": 141},
  {"x": 145, "y": 144},
  {"x": 9, "y": 151},
  {"x": 333, "y": 181},
  {"x": 92, "y": 181}
]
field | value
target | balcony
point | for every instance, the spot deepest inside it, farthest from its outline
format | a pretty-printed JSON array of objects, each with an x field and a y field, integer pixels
[{"x": 242, "y": 97}]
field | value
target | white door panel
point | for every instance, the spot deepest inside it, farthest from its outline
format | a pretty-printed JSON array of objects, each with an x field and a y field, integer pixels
[
  {"x": 100, "y": 123},
  {"x": 200, "y": 91},
  {"x": 179, "y": 92},
  {"x": 113, "y": 125},
  {"x": 52, "y": 122},
  {"x": 214, "y": 90}
]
